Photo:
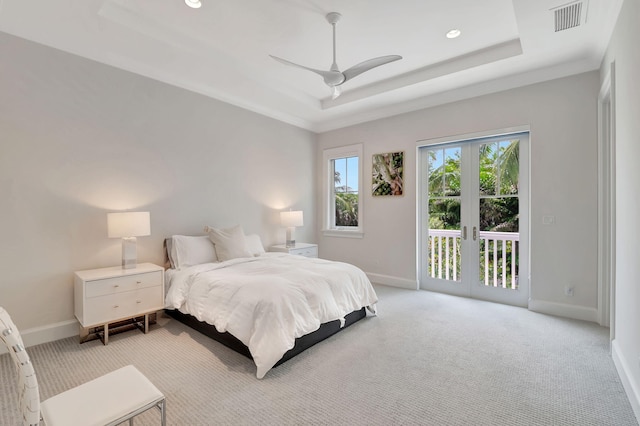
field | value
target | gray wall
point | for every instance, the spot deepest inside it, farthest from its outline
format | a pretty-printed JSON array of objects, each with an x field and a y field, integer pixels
[
  {"x": 623, "y": 50},
  {"x": 79, "y": 139},
  {"x": 562, "y": 115}
]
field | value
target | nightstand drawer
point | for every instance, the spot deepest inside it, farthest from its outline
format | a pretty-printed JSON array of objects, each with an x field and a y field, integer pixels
[
  {"x": 103, "y": 309},
  {"x": 308, "y": 252},
  {"x": 300, "y": 249},
  {"x": 122, "y": 284}
]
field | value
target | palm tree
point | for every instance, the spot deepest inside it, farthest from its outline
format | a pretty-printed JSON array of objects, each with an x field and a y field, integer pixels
[
  {"x": 499, "y": 206},
  {"x": 346, "y": 209},
  {"x": 509, "y": 166},
  {"x": 499, "y": 170},
  {"x": 346, "y": 204},
  {"x": 445, "y": 180}
]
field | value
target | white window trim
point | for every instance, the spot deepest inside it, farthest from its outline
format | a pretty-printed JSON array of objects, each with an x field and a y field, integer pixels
[{"x": 327, "y": 191}]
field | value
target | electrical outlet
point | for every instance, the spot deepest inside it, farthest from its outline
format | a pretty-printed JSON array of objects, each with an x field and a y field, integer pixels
[
  {"x": 548, "y": 219},
  {"x": 568, "y": 291}
]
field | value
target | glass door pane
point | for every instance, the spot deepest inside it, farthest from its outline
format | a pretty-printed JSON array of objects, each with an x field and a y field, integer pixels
[
  {"x": 444, "y": 207},
  {"x": 499, "y": 208}
]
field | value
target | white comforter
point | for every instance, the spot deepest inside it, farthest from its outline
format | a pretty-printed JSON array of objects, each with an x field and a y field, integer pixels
[{"x": 268, "y": 301}]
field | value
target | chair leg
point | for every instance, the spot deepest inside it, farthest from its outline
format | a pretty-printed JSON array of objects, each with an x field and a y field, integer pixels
[
  {"x": 131, "y": 421},
  {"x": 163, "y": 412}
]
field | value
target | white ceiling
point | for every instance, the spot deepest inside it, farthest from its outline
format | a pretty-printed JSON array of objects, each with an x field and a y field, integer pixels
[{"x": 221, "y": 50}]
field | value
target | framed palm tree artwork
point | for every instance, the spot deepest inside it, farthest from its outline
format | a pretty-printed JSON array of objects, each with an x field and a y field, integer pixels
[{"x": 387, "y": 174}]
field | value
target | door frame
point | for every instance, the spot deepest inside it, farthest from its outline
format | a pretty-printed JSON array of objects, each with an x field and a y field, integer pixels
[
  {"x": 421, "y": 187},
  {"x": 607, "y": 202}
]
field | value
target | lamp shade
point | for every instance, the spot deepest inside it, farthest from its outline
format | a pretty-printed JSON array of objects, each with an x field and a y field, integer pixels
[
  {"x": 128, "y": 224},
  {"x": 291, "y": 218},
  {"x": 195, "y": 4}
]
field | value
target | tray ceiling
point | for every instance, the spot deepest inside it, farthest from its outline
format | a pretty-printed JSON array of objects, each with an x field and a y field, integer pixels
[{"x": 222, "y": 49}]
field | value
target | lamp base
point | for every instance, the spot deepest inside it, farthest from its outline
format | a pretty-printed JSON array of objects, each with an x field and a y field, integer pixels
[
  {"x": 129, "y": 253},
  {"x": 291, "y": 237}
]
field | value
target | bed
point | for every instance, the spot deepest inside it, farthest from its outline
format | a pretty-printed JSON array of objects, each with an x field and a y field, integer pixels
[{"x": 266, "y": 306}]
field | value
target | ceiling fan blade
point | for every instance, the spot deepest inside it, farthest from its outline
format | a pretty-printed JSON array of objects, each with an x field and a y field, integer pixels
[
  {"x": 367, "y": 65},
  {"x": 324, "y": 74}
]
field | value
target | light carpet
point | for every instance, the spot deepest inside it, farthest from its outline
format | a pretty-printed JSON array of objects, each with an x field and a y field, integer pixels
[{"x": 427, "y": 359}]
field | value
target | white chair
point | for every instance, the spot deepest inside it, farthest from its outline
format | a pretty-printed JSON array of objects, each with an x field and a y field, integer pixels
[{"x": 108, "y": 400}]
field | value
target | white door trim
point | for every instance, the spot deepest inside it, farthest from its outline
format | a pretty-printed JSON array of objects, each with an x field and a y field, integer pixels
[
  {"x": 606, "y": 202},
  {"x": 475, "y": 135}
]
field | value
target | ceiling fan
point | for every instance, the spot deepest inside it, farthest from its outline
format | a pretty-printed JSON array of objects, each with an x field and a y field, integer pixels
[{"x": 334, "y": 78}]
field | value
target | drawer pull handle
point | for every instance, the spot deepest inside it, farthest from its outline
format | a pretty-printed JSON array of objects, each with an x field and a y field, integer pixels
[
  {"x": 138, "y": 301},
  {"x": 116, "y": 306},
  {"x": 138, "y": 282},
  {"x": 116, "y": 286}
]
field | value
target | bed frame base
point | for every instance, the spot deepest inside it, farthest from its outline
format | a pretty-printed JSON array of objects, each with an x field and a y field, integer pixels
[{"x": 301, "y": 343}]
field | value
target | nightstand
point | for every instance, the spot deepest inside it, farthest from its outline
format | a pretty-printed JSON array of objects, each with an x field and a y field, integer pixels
[
  {"x": 123, "y": 298},
  {"x": 301, "y": 249}
]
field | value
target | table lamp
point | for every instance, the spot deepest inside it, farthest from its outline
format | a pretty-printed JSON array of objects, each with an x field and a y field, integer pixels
[
  {"x": 291, "y": 219},
  {"x": 128, "y": 226}
]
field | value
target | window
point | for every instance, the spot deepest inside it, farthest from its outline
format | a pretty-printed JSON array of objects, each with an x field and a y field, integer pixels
[{"x": 343, "y": 188}]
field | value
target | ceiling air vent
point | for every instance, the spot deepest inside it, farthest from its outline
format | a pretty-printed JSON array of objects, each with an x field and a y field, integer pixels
[{"x": 569, "y": 16}]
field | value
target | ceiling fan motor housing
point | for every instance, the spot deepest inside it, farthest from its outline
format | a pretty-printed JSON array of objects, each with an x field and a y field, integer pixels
[
  {"x": 335, "y": 79},
  {"x": 333, "y": 17}
]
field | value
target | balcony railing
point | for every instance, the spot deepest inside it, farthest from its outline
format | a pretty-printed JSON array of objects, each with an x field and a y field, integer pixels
[{"x": 498, "y": 256}]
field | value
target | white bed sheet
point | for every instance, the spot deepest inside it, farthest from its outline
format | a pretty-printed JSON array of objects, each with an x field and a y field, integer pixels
[{"x": 267, "y": 302}]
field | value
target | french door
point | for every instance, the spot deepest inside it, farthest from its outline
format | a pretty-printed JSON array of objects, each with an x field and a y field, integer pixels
[{"x": 474, "y": 218}]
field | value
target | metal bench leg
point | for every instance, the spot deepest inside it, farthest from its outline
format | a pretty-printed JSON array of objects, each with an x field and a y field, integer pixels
[{"x": 163, "y": 412}]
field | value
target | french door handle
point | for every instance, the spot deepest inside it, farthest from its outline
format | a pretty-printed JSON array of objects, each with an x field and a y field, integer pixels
[
  {"x": 464, "y": 232},
  {"x": 475, "y": 233}
]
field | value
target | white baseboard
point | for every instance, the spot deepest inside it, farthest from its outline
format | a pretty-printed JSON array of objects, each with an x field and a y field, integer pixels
[
  {"x": 631, "y": 386},
  {"x": 393, "y": 281},
  {"x": 48, "y": 333},
  {"x": 564, "y": 310}
]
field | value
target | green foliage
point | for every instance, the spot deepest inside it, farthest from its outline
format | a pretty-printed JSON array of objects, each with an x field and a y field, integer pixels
[
  {"x": 439, "y": 266},
  {"x": 444, "y": 181},
  {"x": 346, "y": 204},
  {"x": 499, "y": 170},
  {"x": 499, "y": 214},
  {"x": 387, "y": 173},
  {"x": 444, "y": 214},
  {"x": 346, "y": 209},
  {"x": 499, "y": 266},
  {"x": 499, "y": 207}
]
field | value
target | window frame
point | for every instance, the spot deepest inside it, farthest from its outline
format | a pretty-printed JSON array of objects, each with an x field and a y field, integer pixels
[{"x": 328, "y": 155}]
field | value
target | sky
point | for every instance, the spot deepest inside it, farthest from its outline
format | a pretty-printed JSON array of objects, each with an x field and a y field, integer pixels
[{"x": 348, "y": 169}]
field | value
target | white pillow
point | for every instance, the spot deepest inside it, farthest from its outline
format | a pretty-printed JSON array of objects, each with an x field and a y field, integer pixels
[
  {"x": 230, "y": 243},
  {"x": 188, "y": 251},
  {"x": 254, "y": 244}
]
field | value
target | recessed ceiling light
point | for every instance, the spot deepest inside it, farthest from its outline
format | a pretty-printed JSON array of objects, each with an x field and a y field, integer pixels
[
  {"x": 196, "y": 4},
  {"x": 453, "y": 33}
]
